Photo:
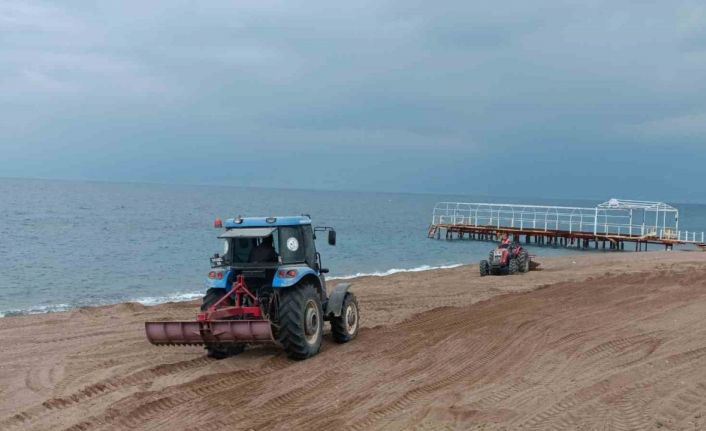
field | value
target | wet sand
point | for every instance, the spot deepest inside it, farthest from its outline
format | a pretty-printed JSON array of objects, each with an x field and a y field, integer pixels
[{"x": 593, "y": 341}]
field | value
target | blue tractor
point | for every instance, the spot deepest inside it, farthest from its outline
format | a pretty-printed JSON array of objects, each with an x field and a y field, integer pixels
[{"x": 267, "y": 286}]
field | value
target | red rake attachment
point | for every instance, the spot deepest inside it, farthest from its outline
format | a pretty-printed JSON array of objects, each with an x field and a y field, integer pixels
[{"x": 219, "y": 324}]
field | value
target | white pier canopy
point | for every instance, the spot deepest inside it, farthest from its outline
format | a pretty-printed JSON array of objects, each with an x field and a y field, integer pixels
[
  {"x": 666, "y": 216},
  {"x": 640, "y": 205}
]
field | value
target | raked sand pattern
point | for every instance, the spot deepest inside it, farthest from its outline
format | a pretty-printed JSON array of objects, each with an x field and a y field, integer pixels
[{"x": 601, "y": 341}]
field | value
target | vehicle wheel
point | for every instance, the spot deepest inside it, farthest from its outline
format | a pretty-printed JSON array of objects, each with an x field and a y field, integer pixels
[
  {"x": 512, "y": 266},
  {"x": 484, "y": 268},
  {"x": 345, "y": 327},
  {"x": 525, "y": 261},
  {"x": 220, "y": 351},
  {"x": 212, "y": 296},
  {"x": 300, "y": 321}
]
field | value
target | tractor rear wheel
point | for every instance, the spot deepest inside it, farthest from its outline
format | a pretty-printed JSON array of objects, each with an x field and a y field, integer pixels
[
  {"x": 300, "y": 321},
  {"x": 345, "y": 327},
  {"x": 524, "y": 261},
  {"x": 484, "y": 268},
  {"x": 512, "y": 266}
]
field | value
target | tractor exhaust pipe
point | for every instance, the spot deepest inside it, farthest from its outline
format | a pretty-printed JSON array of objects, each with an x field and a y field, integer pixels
[{"x": 209, "y": 332}]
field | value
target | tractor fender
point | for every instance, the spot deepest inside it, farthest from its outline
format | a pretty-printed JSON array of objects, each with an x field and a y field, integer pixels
[
  {"x": 218, "y": 284},
  {"x": 302, "y": 271},
  {"x": 335, "y": 300}
]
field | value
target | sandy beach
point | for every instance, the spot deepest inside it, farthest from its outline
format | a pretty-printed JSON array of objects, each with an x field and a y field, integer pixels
[{"x": 594, "y": 341}]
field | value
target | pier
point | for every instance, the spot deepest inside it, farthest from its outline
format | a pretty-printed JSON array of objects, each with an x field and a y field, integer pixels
[{"x": 610, "y": 225}]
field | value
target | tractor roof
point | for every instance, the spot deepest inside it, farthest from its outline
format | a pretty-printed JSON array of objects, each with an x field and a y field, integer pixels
[{"x": 243, "y": 222}]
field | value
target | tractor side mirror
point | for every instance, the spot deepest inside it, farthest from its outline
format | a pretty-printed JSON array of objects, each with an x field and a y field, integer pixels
[{"x": 332, "y": 237}]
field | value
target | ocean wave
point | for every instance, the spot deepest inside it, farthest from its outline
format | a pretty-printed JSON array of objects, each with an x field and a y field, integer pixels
[
  {"x": 395, "y": 271},
  {"x": 189, "y": 296},
  {"x": 36, "y": 309},
  {"x": 176, "y": 297},
  {"x": 145, "y": 300}
]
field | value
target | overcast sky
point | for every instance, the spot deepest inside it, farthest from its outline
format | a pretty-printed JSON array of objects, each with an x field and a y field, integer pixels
[{"x": 537, "y": 98}]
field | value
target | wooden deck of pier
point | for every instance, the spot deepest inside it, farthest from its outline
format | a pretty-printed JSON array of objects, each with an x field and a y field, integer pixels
[
  {"x": 551, "y": 237},
  {"x": 610, "y": 225}
]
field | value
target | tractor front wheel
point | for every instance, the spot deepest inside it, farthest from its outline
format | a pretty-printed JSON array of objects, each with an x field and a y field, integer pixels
[
  {"x": 300, "y": 321},
  {"x": 217, "y": 350},
  {"x": 484, "y": 268},
  {"x": 220, "y": 351},
  {"x": 212, "y": 296},
  {"x": 345, "y": 327}
]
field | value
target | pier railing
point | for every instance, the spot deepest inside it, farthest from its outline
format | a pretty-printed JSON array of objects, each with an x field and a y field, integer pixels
[{"x": 648, "y": 220}]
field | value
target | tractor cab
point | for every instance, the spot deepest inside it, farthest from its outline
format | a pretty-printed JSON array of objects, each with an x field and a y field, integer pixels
[{"x": 273, "y": 251}]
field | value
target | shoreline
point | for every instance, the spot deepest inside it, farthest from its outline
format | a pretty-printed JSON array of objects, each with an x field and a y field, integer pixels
[
  {"x": 187, "y": 297},
  {"x": 191, "y": 296}
]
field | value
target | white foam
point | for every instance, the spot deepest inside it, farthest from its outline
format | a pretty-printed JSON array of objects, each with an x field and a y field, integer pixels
[
  {"x": 396, "y": 271},
  {"x": 189, "y": 296},
  {"x": 36, "y": 309},
  {"x": 147, "y": 300},
  {"x": 176, "y": 297}
]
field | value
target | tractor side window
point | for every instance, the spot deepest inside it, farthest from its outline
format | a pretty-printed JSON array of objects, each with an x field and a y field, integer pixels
[
  {"x": 291, "y": 246},
  {"x": 275, "y": 242},
  {"x": 309, "y": 246}
]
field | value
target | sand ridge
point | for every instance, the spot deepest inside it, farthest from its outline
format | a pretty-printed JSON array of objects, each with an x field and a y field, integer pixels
[{"x": 595, "y": 341}]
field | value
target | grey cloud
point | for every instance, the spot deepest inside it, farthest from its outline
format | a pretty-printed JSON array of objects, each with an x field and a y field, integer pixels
[{"x": 101, "y": 85}]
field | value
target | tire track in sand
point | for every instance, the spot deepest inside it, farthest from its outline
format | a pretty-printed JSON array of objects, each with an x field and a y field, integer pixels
[{"x": 99, "y": 389}]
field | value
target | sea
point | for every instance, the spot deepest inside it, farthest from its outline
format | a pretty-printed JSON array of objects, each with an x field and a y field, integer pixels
[{"x": 69, "y": 244}]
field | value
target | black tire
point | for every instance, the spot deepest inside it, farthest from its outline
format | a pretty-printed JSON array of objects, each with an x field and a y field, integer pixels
[
  {"x": 219, "y": 351},
  {"x": 301, "y": 321},
  {"x": 345, "y": 327},
  {"x": 512, "y": 266},
  {"x": 212, "y": 296},
  {"x": 484, "y": 268},
  {"x": 524, "y": 261}
]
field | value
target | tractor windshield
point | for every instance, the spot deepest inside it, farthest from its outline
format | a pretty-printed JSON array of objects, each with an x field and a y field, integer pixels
[{"x": 243, "y": 246}]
